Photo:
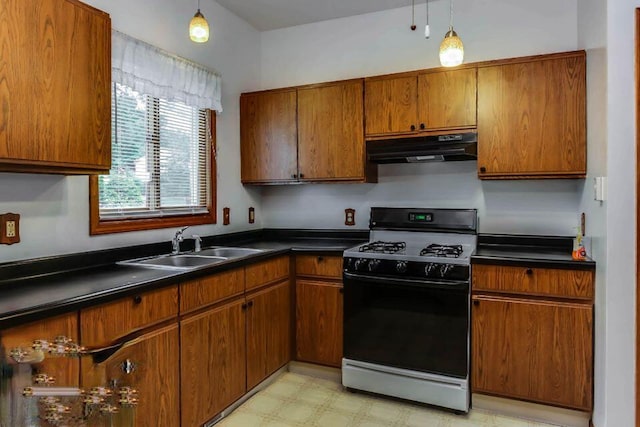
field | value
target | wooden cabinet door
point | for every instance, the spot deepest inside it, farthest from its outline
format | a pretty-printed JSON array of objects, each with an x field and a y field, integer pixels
[
  {"x": 331, "y": 132},
  {"x": 390, "y": 105},
  {"x": 212, "y": 362},
  {"x": 154, "y": 360},
  {"x": 55, "y": 79},
  {"x": 268, "y": 136},
  {"x": 532, "y": 119},
  {"x": 319, "y": 322},
  {"x": 447, "y": 99},
  {"x": 65, "y": 370},
  {"x": 268, "y": 332},
  {"x": 533, "y": 350}
]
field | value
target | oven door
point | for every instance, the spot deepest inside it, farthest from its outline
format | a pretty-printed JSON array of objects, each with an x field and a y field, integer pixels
[{"x": 418, "y": 325}]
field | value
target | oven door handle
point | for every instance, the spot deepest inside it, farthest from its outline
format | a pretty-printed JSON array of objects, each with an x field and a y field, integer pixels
[{"x": 458, "y": 285}]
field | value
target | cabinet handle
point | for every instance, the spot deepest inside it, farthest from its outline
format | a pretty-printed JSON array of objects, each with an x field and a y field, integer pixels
[
  {"x": 476, "y": 302},
  {"x": 529, "y": 272},
  {"x": 320, "y": 259},
  {"x": 301, "y": 175},
  {"x": 413, "y": 127},
  {"x": 250, "y": 303},
  {"x": 244, "y": 306},
  {"x": 422, "y": 126},
  {"x": 483, "y": 169},
  {"x": 137, "y": 299},
  {"x": 294, "y": 176},
  {"x": 128, "y": 366}
]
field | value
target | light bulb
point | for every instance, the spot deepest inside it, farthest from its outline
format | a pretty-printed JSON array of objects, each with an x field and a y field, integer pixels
[
  {"x": 451, "y": 49},
  {"x": 199, "y": 28}
]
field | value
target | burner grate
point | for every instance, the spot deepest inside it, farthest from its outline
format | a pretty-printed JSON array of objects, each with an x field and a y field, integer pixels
[
  {"x": 383, "y": 247},
  {"x": 448, "y": 251}
]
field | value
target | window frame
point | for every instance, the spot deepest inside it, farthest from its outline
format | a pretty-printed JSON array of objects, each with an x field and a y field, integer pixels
[{"x": 99, "y": 226}]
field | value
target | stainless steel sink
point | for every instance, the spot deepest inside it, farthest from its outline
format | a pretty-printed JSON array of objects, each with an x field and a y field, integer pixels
[
  {"x": 228, "y": 252},
  {"x": 176, "y": 262}
]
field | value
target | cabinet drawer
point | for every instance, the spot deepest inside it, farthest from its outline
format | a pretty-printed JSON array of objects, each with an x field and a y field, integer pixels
[
  {"x": 211, "y": 289},
  {"x": 105, "y": 323},
  {"x": 266, "y": 272},
  {"x": 533, "y": 281},
  {"x": 319, "y": 266}
]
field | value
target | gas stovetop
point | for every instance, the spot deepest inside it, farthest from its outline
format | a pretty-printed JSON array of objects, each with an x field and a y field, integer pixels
[{"x": 416, "y": 243}]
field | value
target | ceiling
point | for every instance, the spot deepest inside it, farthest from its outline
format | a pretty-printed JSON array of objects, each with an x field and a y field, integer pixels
[{"x": 272, "y": 14}]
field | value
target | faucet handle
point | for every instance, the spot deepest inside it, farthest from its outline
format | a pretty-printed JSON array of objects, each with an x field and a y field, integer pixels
[{"x": 198, "y": 242}]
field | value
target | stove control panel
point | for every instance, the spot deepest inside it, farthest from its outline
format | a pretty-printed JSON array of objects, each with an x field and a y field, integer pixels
[{"x": 408, "y": 269}]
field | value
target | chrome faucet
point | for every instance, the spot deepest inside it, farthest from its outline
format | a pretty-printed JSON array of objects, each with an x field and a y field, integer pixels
[
  {"x": 177, "y": 239},
  {"x": 197, "y": 241}
]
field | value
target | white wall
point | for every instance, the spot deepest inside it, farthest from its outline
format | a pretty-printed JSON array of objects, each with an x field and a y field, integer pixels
[
  {"x": 381, "y": 43},
  {"x": 592, "y": 36},
  {"x": 620, "y": 222},
  {"x": 54, "y": 209}
]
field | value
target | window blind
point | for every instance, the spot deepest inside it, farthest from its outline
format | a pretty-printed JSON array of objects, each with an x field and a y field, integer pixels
[{"x": 160, "y": 155}]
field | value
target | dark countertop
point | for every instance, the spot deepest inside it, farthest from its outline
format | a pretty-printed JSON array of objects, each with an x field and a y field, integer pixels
[
  {"x": 66, "y": 287},
  {"x": 540, "y": 251}
]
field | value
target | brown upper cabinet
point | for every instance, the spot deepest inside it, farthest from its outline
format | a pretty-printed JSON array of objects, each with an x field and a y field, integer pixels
[
  {"x": 415, "y": 102},
  {"x": 268, "y": 135},
  {"x": 532, "y": 118},
  {"x": 55, "y": 92},
  {"x": 309, "y": 133}
]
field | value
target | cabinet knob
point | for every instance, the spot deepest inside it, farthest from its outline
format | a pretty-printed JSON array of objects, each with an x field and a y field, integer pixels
[
  {"x": 137, "y": 299},
  {"x": 244, "y": 306},
  {"x": 529, "y": 272},
  {"x": 483, "y": 169},
  {"x": 320, "y": 259},
  {"x": 128, "y": 366},
  {"x": 250, "y": 303},
  {"x": 294, "y": 176},
  {"x": 476, "y": 302},
  {"x": 342, "y": 290},
  {"x": 413, "y": 127},
  {"x": 301, "y": 175},
  {"x": 422, "y": 126}
]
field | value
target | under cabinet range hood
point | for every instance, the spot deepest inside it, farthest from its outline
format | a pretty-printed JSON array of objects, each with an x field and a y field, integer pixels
[{"x": 432, "y": 148}]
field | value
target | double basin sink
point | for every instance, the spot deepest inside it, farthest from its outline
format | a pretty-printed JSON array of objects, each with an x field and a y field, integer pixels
[{"x": 193, "y": 260}]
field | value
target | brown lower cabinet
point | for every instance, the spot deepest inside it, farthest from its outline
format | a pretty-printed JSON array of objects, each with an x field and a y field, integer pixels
[
  {"x": 319, "y": 322},
  {"x": 268, "y": 331},
  {"x": 319, "y": 312},
  {"x": 212, "y": 355},
  {"x": 533, "y": 348},
  {"x": 149, "y": 364},
  {"x": 231, "y": 341}
]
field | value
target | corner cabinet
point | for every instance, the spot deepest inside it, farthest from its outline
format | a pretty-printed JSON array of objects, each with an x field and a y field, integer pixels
[
  {"x": 532, "y": 117},
  {"x": 55, "y": 87},
  {"x": 411, "y": 103},
  {"x": 532, "y": 334},
  {"x": 309, "y": 133}
]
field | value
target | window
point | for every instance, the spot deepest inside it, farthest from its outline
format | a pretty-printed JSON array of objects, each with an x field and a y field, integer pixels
[{"x": 162, "y": 166}]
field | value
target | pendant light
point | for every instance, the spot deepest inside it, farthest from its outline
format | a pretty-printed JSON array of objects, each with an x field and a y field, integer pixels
[
  {"x": 451, "y": 49},
  {"x": 199, "y": 27}
]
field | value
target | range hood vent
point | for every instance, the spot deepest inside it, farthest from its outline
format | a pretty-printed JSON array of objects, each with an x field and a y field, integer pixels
[{"x": 421, "y": 149}]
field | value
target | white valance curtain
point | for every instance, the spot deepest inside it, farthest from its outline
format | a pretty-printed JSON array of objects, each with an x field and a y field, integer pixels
[{"x": 155, "y": 72}]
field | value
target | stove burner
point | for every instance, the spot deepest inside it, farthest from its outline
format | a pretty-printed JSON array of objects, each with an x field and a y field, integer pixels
[
  {"x": 383, "y": 247},
  {"x": 449, "y": 251}
]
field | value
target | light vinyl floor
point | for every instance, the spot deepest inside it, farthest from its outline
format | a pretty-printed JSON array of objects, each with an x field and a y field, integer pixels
[{"x": 295, "y": 400}]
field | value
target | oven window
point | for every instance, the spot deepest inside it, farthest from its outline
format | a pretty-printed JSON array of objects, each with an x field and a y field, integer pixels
[{"x": 406, "y": 326}]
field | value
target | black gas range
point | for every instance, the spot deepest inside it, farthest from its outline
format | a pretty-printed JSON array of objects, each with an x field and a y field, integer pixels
[{"x": 406, "y": 306}]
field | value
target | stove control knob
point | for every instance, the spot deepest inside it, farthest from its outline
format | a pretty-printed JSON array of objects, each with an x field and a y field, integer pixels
[
  {"x": 401, "y": 266},
  {"x": 430, "y": 269},
  {"x": 359, "y": 264},
  {"x": 444, "y": 270},
  {"x": 373, "y": 265}
]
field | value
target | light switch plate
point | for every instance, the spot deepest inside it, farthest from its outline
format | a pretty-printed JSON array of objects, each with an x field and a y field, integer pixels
[{"x": 600, "y": 188}]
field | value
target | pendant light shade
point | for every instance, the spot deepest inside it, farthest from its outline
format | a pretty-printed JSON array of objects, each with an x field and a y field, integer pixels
[
  {"x": 451, "y": 48},
  {"x": 199, "y": 27}
]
